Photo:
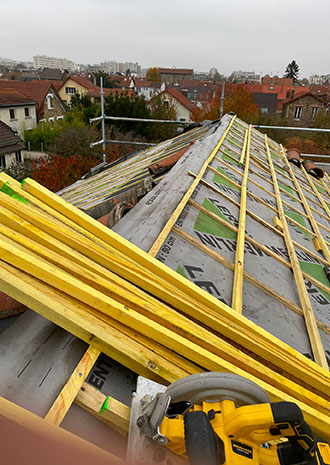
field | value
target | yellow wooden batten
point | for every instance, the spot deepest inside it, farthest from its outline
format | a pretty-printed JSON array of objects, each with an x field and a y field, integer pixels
[
  {"x": 154, "y": 311},
  {"x": 311, "y": 325},
  {"x": 239, "y": 335},
  {"x": 248, "y": 330},
  {"x": 35, "y": 298}
]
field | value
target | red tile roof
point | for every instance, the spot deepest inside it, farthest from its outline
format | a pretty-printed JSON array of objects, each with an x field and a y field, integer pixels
[
  {"x": 175, "y": 71},
  {"x": 96, "y": 92},
  {"x": 13, "y": 97},
  {"x": 123, "y": 81},
  {"x": 82, "y": 81},
  {"x": 275, "y": 80},
  {"x": 282, "y": 91},
  {"x": 305, "y": 94},
  {"x": 180, "y": 97},
  {"x": 34, "y": 90}
]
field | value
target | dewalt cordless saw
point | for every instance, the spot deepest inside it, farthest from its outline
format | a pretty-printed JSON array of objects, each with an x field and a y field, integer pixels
[{"x": 224, "y": 419}]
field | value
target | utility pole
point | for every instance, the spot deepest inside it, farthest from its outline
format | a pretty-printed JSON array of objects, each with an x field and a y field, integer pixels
[{"x": 222, "y": 99}]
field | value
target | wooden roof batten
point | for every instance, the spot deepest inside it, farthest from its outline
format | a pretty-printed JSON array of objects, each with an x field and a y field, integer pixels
[{"x": 159, "y": 320}]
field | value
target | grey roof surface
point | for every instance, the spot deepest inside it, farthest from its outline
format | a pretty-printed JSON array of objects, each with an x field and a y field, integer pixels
[{"x": 9, "y": 142}]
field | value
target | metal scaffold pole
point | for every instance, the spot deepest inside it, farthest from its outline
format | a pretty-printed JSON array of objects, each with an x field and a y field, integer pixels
[
  {"x": 222, "y": 99},
  {"x": 104, "y": 156}
]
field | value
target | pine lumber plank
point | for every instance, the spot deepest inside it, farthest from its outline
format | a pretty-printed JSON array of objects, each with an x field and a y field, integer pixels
[
  {"x": 107, "y": 409},
  {"x": 73, "y": 316},
  {"x": 167, "y": 317},
  {"x": 31, "y": 295},
  {"x": 175, "y": 215},
  {"x": 311, "y": 325},
  {"x": 63, "y": 402},
  {"x": 319, "y": 237},
  {"x": 247, "y": 341},
  {"x": 237, "y": 292}
]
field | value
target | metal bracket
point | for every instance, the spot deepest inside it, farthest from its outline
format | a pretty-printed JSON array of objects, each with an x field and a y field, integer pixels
[{"x": 153, "y": 411}]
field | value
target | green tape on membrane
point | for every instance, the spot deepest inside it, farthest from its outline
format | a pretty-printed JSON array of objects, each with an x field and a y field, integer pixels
[
  {"x": 104, "y": 406},
  {"x": 6, "y": 189}
]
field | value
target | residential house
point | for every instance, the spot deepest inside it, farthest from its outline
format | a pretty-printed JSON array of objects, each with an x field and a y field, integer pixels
[
  {"x": 122, "y": 81},
  {"x": 302, "y": 109},
  {"x": 198, "y": 91},
  {"x": 17, "y": 111},
  {"x": 319, "y": 80},
  {"x": 175, "y": 75},
  {"x": 49, "y": 104},
  {"x": 244, "y": 76},
  {"x": 147, "y": 89},
  {"x": 282, "y": 91},
  {"x": 10, "y": 146},
  {"x": 183, "y": 106},
  {"x": 73, "y": 85}
]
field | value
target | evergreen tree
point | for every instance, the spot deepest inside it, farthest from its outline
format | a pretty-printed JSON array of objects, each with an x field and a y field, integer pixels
[{"x": 292, "y": 71}]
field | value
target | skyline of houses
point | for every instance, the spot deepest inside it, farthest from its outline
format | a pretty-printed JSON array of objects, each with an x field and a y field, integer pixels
[{"x": 29, "y": 97}]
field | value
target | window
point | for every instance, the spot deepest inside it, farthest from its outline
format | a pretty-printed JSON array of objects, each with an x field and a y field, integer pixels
[
  {"x": 2, "y": 161},
  {"x": 18, "y": 157},
  {"x": 70, "y": 90},
  {"x": 51, "y": 122},
  {"x": 182, "y": 119},
  {"x": 27, "y": 112},
  {"x": 12, "y": 113},
  {"x": 264, "y": 110},
  {"x": 297, "y": 112},
  {"x": 59, "y": 118},
  {"x": 314, "y": 112}
]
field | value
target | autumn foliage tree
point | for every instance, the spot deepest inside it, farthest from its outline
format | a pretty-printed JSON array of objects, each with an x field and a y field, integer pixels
[
  {"x": 237, "y": 100},
  {"x": 153, "y": 75},
  {"x": 241, "y": 103},
  {"x": 59, "y": 172}
]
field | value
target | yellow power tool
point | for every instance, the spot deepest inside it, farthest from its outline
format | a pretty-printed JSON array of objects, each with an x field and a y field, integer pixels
[{"x": 224, "y": 419}]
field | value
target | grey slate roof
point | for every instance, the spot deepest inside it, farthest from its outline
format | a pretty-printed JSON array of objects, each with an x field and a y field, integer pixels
[{"x": 9, "y": 142}]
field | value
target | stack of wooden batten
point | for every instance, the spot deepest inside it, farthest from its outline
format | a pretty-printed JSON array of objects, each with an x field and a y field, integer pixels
[{"x": 123, "y": 302}]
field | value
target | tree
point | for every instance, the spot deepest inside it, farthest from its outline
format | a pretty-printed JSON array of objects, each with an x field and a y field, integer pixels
[
  {"x": 84, "y": 103},
  {"x": 241, "y": 103},
  {"x": 160, "y": 110},
  {"x": 237, "y": 99},
  {"x": 153, "y": 75},
  {"x": 292, "y": 71},
  {"x": 131, "y": 106},
  {"x": 59, "y": 172},
  {"x": 106, "y": 82},
  {"x": 215, "y": 75},
  {"x": 322, "y": 121}
]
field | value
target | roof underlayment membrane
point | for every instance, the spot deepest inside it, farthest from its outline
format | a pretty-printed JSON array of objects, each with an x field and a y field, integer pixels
[
  {"x": 143, "y": 224},
  {"x": 190, "y": 221}
]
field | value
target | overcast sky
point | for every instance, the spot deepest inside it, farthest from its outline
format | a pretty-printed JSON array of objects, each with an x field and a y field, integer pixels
[{"x": 253, "y": 35}]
